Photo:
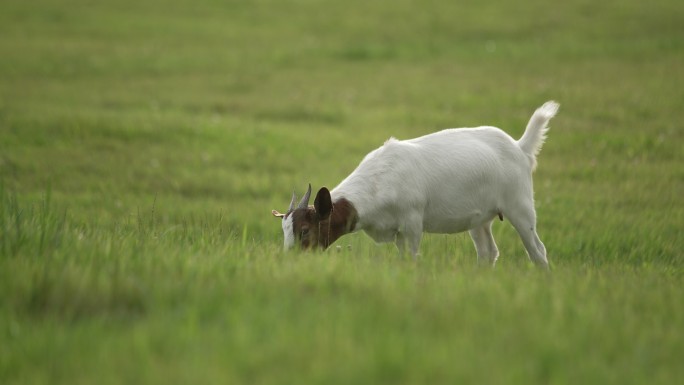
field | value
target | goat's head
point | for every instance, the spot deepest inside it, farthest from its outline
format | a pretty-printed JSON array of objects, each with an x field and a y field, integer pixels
[{"x": 307, "y": 226}]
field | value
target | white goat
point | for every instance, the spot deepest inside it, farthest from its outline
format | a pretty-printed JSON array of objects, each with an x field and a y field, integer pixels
[{"x": 446, "y": 182}]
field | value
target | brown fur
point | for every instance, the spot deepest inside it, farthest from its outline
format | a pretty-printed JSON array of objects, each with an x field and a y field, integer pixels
[{"x": 311, "y": 231}]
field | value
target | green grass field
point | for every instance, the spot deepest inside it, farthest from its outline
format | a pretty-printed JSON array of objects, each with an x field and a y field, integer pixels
[{"x": 144, "y": 143}]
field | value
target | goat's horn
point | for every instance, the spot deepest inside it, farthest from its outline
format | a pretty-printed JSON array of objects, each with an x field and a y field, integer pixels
[
  {"x": 304, "y": 203},
  {"x": 292, "y": 203}
]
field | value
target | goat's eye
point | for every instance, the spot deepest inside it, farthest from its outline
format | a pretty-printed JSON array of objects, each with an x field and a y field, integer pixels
[{"x": 305, "y": 232}]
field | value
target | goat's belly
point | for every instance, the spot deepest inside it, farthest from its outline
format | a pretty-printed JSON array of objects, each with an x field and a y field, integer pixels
[
  {"x": 456, "y": 223},
  {"x": 381, "y": 235},
  {"x": 447, "y": 227}
]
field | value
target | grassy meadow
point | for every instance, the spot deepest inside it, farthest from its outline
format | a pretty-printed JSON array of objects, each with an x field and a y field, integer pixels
[{"x": 144, "y": 143}]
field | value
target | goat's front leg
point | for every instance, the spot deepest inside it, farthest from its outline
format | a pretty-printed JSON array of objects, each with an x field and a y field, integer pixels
[
  {"x": 413, "y": 241},
  {"x": 414, "y": 245},
  {"x": 413, "y": 231},
  {"x": 400, "y": 242}
]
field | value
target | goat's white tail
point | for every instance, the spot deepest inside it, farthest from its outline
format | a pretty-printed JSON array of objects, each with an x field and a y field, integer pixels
[{"x": 535, "y": 133}]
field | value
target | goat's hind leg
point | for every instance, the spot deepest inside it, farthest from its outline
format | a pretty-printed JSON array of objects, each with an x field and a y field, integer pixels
[
  {"x": 487, "y": 252},
  {"x": 524, "y": 219}
]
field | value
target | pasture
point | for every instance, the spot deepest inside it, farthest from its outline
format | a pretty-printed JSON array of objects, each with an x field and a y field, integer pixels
[{"x": 143, "y": 145}]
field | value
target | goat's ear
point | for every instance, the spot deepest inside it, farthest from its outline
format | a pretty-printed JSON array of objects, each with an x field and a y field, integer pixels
[
  {"x": 277, "y": 214},
  {"x": 323, "y": 204}
]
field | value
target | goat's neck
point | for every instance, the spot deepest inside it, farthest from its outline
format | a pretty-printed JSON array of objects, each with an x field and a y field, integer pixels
[{"x": 342, "y": 221}]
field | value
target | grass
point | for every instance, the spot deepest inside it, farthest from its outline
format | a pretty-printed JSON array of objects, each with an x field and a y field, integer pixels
[{"x": 143, "y": 145}]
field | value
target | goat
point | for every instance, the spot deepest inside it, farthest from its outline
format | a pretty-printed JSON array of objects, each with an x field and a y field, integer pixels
[{"x": 445, "y": 182}]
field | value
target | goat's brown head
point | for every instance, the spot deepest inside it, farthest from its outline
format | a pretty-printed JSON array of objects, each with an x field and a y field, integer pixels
[{"x": 307, "y": 226}]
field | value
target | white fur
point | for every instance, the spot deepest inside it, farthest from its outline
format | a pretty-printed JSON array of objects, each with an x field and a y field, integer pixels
[
  {"x": 448, "y": 182},
  {"x": 289, "y": 232}
]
